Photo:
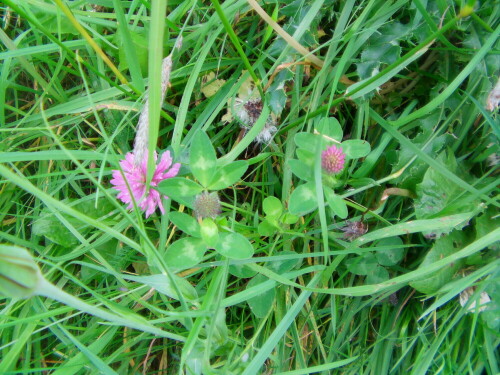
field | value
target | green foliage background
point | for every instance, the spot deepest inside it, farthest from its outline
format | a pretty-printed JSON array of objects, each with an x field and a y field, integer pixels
[{"x": 273, "y": 285}]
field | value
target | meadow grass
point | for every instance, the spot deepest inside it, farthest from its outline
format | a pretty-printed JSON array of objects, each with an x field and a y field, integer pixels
[{"x": 379, "y": 268}]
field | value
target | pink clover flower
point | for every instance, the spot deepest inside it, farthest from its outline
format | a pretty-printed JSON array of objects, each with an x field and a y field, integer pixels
[
  {"x": 130, "y": 182},
  {"x": 333, "y": 159}
]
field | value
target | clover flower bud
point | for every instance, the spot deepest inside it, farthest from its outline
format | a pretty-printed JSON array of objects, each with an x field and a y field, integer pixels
[
  {"x": 207, "y": 205},
  {"x": 19, "y": 274}
]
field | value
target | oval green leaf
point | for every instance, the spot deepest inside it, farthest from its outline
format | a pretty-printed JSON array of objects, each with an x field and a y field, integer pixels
[
  {"x": 377, "y": 275},
  {"x": 301, "y": 170},
  {"x": 392, "y": 255},
  {"x": 262, "y": 303},
  {"x": 179, "y": 188},
  {"x": 228, "y": 175},
  {"x": 234, "y": 246},
  {"x": 185, "y": 223},
  {"x": 362, "y": 265},
  {"x": 356, "y": 148},
  {"x": 272, "y": 207},
  {"x": 185, "y": 253},
  {"x": 202, "y": 158},
  {"x": 330, "y": 127},
  {"x": 242, "y": 271},
  {"x": 336, "y": 203},
  {"x": 284, "y": 265},
  {"x": 266, "y": 229},
  {"x": 289, "y": 219},
  {"x": 442, "y": 248},
  {"x": 305, "y": 156},
  {"x": 307, "y": 141},
  {"x": 303, "y": 200}
]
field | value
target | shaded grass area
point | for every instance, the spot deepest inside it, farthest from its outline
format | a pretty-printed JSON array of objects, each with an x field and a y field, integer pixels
[{"x": 360, "y": 272}]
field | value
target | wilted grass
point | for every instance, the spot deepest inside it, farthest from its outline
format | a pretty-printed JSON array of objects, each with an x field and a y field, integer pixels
[{"x": 403, "y": 85}]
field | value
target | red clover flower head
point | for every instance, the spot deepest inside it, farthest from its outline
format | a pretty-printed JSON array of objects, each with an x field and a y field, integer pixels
[
  {"x": 333, "y": 159},
  {"x": 131, "y": 182}
]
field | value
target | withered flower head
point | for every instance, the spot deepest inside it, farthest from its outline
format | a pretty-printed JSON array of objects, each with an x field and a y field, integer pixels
[
  {"x": 248, "y": 112},
  {"x": 354, "y": 229}
]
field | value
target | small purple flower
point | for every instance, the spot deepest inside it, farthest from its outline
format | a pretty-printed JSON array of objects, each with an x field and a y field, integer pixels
[
  {"x": 131, "y": 182},
  {"x": 332, "y": 159}
]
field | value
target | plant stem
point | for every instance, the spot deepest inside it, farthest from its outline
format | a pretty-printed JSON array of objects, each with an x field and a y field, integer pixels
[{"x": 237, "y": 45}]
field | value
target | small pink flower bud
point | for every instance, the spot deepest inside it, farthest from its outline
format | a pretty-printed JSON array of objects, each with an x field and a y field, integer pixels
[{"x": 332, "y": 159}]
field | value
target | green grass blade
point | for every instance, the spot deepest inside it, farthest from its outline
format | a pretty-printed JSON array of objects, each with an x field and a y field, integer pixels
[{"x": 262, "y": 355}]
